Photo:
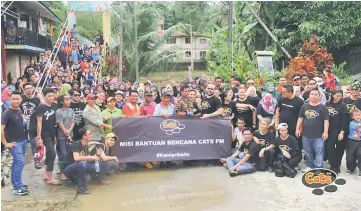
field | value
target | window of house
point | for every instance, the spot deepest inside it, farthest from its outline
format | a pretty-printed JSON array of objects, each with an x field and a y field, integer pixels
[
  {"x": 173, "y": 40},
  {"x": 202, "y": 53},
  {"x": 188, "y": 54},
  {"x": 188, "y": 40},
  {"x": 202, "y": 41},
  {"x": 25, "y": 19}
]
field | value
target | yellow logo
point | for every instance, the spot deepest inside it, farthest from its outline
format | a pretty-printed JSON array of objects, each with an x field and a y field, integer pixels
[
  {"x": 205, "y": 105},
  {"x": 351, "y": 107},
  {"x": 332, "y": 111},
  {"x": 310, "y": 114},
  {"x": 245, "y": 151}
]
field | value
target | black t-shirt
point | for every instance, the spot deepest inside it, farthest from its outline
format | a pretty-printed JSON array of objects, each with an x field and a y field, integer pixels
[
  {"x": 350, "y": 105},
  {"x": 253, "y": 149},
  {"x": 101, "y": 106},
  {"x": 262, "y": 112},
  {"x": 235, "y": 92},
  {"x": 48, "y": 119},
  {"x": 76, "y": 146},
  {"x": 14, "y": 126},
  {"x": 290, "y": 145},
  {"x": 266, "y": 139},
  {"x": 210, "y": 104},
  {"x": 78, "y": 109},
  {"x": 247, "y": 113},
  {"x": 338, "y": 114},
  {"x": 289, "y": 110},
  {"x": 28, "y": 106},
  {"x": 313, "y": 120},
  {"x": 229, "y": 109}
]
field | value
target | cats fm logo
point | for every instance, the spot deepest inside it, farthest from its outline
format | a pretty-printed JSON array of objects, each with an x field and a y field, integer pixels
[
  {"x": 319, "y": 178},
  {"x": 171, "y": 126}
]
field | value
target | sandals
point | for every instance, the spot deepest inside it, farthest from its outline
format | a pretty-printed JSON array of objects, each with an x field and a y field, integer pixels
[
  {"x": 105, "y": 182},
  {"x": 225, "y": 165},
  {"x": 53, "y": 182}
]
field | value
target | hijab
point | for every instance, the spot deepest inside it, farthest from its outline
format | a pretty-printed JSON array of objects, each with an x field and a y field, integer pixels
[
  {"x": 5, "y": 94},
  {"x": 274, "y": 93},
  {"x": 268, "y": 103}
]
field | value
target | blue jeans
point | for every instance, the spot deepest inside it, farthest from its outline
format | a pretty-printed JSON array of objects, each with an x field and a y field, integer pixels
[
  {"x": 243, "y": 169},
  {"x": 314, "y": 150},
  {"x": 18, "y": 153},
  {"x": 61, "y": 148},
  {"x": 76, "y": 171},
  {"x": 31, "y": 138}
]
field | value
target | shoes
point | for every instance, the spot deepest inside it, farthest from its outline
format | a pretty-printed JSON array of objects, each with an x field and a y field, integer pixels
[
  {"x": 270, "y": 169},
  {"x": 169, "y": 164},
  {"x": 306, "y": 169},
  {"x": 154, "y": 163},
  {"x": 349, "y": 171},
  {"x": 25, "y": 187},
  {"x": 148, "y": 165},
  {"x": 83, "y": 190},
  {"x": 20, "y": 192},
  {"x": 336, "y": 170}
]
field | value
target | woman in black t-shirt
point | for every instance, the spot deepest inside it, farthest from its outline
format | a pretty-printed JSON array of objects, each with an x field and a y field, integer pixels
[
  {"x": 287, "y": 147},
  {"x": 228, "y": 105},
  {"x": 248, "y": 109},
  {"x": 335, "y": 144},
  {"x": 266, "y": 141}
]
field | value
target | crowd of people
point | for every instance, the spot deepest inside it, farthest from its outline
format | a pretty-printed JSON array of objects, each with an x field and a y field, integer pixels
[{"x": 71, "y": 118}]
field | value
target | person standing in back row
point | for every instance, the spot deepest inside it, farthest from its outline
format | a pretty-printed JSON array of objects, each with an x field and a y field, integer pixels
[
  {"x": 313, "y": 124},
  {"x": 45, "y": 130},
  {"x": 287, "y": 110},
  {"x": 13, "y": 137}
]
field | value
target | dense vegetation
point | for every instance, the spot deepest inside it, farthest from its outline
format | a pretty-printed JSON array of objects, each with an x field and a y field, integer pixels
[{"x": 336, "y": 24}]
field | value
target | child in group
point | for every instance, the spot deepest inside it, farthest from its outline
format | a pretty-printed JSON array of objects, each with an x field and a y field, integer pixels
[{"x": 353, "y": 149}]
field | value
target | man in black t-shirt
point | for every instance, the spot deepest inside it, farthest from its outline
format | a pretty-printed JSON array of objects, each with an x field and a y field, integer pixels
[
  {"x": 313, "y": 124},
  {"x": 288, "y": 108},
  {"x": 13, "y": 137},
  {"x": 248, "y": 154},
  {"x": 78, "y": 107},
  {"x": 211, "y": 105},
  {"x": 45, "y": 133},
  {"x": 28, "y": 107},
  {"x": 77, "y": 162}
]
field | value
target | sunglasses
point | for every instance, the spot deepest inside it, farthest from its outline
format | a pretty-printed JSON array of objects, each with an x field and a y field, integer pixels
[{"x": 76, "y": 95}]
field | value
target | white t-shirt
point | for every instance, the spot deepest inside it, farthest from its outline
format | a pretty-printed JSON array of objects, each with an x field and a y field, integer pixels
[{"x": 239, "y": 136}]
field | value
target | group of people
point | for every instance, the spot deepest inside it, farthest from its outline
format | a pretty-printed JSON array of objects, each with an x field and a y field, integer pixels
[{"x": 71, "y": 118}]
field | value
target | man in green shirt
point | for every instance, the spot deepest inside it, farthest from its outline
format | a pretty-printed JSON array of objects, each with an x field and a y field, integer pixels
[{"x": 110, "y": 112}]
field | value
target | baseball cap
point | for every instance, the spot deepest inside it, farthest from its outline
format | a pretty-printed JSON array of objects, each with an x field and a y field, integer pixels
[
  {"x": 148, "y": 93},
  {"x": 119, "y": 92},
  {"x": 296, "y": 78},
  {"x": 110, "y": 98},
  {"x": 282, "y": 125},
  {"x": 111, "y": 135},
  {"x": 81, "y": 132},
  {"x": 91, "y": 95},
  {"x": 237, "y": 78},
  {"x": 166, "y": 93}
]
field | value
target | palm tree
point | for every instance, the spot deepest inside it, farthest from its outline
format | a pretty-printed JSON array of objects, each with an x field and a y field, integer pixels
[{"x": 147, "y": 52}]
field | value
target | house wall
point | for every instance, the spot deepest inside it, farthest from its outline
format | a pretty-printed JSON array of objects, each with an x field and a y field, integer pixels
[
  {"x": 181, "y": 47},
  {"x": 16, "y": 62}
]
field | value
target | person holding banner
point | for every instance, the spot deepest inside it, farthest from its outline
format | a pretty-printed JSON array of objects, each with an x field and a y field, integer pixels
[
  {"x": 246, "y": 158},
  {"x": 165, "y": 109},
  {"x": 211, "y": 105}
]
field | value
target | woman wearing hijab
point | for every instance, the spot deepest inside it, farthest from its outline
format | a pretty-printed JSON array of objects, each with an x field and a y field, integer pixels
[
  {"x": 269, "y": 87},
  {"x": 5, "y": 96},
  {"x": 111, "y": 91},
  {"x": 266, "y": 108}
]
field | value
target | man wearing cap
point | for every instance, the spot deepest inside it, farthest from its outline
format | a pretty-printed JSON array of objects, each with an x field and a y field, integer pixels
[
  {"x": 297, "y": 82},
  {"x": 110, "y": 112},
  {"x": 236, "y": 83},
  {"x": 147, "y": 108},
  {"x": 65, "y": 120},
  {"x": 93, "y": 118},
  {"x": 77, "y": 162},
  {"x": 110, "y": 140},
  {"x": 119, "y": 101}
]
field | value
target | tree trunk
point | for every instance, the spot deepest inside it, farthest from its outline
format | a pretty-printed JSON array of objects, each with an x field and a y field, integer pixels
[
  {"x": 190, "y": 70},
  {"x": 136, "y": 42},
  {"x": 121, "y": 44}
]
